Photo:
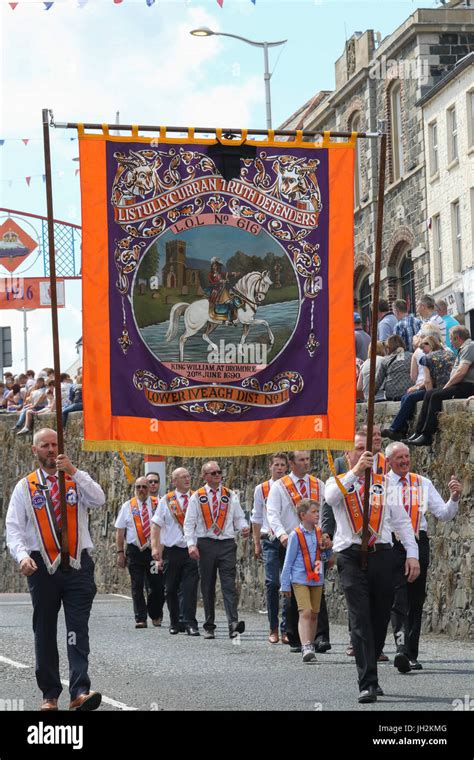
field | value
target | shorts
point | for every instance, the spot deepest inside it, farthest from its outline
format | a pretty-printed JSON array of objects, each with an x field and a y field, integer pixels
[{"x": 307, "y": 597}]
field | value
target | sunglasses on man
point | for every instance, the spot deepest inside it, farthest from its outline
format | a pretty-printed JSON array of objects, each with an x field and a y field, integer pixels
[{"x": 214, "y": 472}]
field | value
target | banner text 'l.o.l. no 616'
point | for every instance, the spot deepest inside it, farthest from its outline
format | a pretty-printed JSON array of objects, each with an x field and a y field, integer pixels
[{"x": 218, "y": 312}]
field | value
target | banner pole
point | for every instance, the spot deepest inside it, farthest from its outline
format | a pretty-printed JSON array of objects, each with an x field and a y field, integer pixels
[
  {"x": 55, "y": 331},
  {"x": 373, "y": 344}
]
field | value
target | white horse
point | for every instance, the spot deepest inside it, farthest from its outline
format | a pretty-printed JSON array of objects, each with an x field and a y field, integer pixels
[{"x": 251, "y": 289}]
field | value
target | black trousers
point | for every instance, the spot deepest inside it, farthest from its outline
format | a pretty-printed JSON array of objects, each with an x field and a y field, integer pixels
[
  {"x": 218, "y": 555},
  {"x": 181, "y": 577},
  {"x": 369, "y": 599},
  {"x": 322, "y": 634},
  {"x": 433, "y": 403},
  {"x": 408, "y": 598},
  {"x": 141, "y": 567},
  {"x": 75, "y": 589}
]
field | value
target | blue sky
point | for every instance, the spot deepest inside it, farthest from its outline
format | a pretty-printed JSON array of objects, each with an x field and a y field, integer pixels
[{"x": 87, "y": 63}]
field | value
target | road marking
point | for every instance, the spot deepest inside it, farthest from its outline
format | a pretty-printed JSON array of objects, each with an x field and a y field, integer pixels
[
  {"x": 122, "y": 596},
  {"x": 108, "y": 700},
  {"x": 12, "y": 662}
]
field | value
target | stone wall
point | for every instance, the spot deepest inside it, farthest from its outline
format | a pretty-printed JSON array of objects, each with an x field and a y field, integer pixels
[{"x": 448, "y": 605}]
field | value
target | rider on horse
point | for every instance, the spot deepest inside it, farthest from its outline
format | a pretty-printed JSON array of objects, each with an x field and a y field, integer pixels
[{"x": 220, "y": 294}]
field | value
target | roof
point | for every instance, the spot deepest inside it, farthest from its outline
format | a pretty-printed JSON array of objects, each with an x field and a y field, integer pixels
[{"x": 460, "y": 66}]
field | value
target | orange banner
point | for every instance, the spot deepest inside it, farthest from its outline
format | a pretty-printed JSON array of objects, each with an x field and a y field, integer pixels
[{"x": 218, "y": 313}]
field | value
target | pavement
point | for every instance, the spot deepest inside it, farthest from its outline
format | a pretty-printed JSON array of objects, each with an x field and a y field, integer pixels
[{"x": 150, "y": 669}]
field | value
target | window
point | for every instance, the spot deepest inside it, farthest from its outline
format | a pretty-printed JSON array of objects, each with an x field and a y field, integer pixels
[
  {"x": 456, "y": 229},
  {"x": 437, "y": 250},
  {"x": 396, "y": 132},
  {"x": 355, "y": 127},
  {"x": 470, "y": 118},
  {"x": 407, "y": 282},
  {"x": 433, "y": 142},
  {"x": 452, "y": 135},
  {"x": 365, "y": 303}
]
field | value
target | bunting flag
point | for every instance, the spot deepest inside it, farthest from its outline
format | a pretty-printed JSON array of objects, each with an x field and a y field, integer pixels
[
  {"x": 47, "y": 6},
  {"x": 1, "y": 142},
  {"x": 220, "y": 3},
  {"x": 208, "y": 300},
  {"x": 28, "y": 180},
  {"x": 13, "y": 5},
  {"x": 25, "y": 140}
]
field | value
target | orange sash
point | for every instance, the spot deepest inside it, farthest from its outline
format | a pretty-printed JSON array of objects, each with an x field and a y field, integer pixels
[
  {"x": 175, "y": 508},
  {"x": 415, "y": 501},
  {"x": 380, "y": 464},
  {"x": 312, "y": 573},
  {"x": 137, "y": 520},
  {"x": 265, "y": 490},
  {"x": 293, "y": 492},
  {"x": 44, "y": 521},
  {"x": 206, "y": 509},
  {"x": 354, "y": 502}
]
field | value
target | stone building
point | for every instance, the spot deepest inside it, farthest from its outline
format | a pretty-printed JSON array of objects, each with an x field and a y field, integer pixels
[
  {"x": 379, "y": 85},
  {"x": 176, "y": 272},
  {"x": 448, "y": 119}
]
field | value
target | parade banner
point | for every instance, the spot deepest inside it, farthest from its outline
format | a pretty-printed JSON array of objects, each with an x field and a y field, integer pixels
[{"x": 218, "y": 312}]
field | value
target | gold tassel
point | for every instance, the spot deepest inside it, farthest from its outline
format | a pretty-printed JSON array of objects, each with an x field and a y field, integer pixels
[{"x": 128, "y": 472}]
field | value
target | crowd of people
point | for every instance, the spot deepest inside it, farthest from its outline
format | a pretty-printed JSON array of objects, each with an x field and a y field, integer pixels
[{"x": 30, "y": 395}]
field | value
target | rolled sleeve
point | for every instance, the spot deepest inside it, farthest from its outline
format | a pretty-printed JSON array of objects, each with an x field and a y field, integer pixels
[
  {"x": 257, "y": 511},
  {"x": 15, "y": 524},
  {"x": 274, "y": 506},
  {"x": 91, "y": 494},
  {"x": 190, "y": 521},
  {"x": 332, "y": 493},
  {"x": 240, "y": 523}
]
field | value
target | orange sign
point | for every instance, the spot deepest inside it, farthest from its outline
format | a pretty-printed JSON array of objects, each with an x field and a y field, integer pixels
[
  {"x": 15, "y": 245},
  {"x": 29, "y": 293}
]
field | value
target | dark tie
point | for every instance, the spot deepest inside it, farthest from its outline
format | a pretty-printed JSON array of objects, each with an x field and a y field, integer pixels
[
  {"x": 215, "y": 506},
  {"x": 55, "y": 498},
  {"x": 302, "y": 488}
]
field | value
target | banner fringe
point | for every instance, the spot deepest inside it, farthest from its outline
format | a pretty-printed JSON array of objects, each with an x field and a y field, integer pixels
[{"x": 229, "y": 451}]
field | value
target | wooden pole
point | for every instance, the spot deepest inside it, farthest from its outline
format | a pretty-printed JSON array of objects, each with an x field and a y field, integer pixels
[
  {"x": 373, "y": 344},
  {"x": 55, "y": 330}
]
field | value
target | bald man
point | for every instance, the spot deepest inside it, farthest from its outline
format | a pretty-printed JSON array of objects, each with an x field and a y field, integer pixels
[
  {"x": 169, "y": 549},
  {"x": 33, "y": 525},
  {"x": 417, "y": 495}
]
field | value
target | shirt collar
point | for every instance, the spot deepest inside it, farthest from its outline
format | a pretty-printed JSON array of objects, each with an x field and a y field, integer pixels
[
  {"x": 311, "y": 532},
  {"x": 296, "y": 478}
]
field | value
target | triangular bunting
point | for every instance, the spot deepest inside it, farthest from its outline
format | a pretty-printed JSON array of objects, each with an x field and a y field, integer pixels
[
  {"x": 26, "y": 140},
  {"x": 81, "y": 4},
  {"x": 1, "y": 142},
  {"x": 150, "y": 2},
  {"x": 13, "y": 5},
  {"x": 220, "y": 3},
  {"x": 28, "y": 180},
  {"x": 47, "y": 6},
  {"x": 117, "y": 2},
  {"x": 44, "y": 177},
  {"x": 77, "y": 170}
]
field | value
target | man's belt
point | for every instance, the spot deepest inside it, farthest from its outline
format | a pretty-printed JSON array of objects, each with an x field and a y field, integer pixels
[{"x": 373, "y": 548}]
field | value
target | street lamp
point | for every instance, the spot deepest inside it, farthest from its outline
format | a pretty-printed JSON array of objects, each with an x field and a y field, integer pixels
[{"x": 204, "y": 31}]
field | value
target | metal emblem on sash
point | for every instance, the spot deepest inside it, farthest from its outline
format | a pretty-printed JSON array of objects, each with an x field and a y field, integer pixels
[
  {"x": 203, "y": 499},
  {"x": 224, "y": 499},
  {"x": 377, "y": 489},
  {"x": 38, "y": 500},
  {"x": 351, "y": 489},
  {"x": 136, "y": 512},
  {"x": 71, "y": 496}
]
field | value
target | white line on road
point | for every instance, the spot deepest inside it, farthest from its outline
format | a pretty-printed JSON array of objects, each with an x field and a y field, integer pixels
[
  {"x": 108, "y": 700},
  {"x": 122, "y": 596},
  {"x": 12, "y": 662}
]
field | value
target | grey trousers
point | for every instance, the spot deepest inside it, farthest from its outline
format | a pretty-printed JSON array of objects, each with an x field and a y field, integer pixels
[{"x": 218, "y": 555}]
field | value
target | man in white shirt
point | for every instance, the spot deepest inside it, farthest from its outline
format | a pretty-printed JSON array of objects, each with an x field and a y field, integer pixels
[
  {"x": 169, "y": 549},
  {"x": 267, "y": 545},
  {"x": 368, "y": 591},
  {"x": 426, "y": 308},
  {"x": 133, "y": 526},
  {"x": 33, "y": 525},
  {"x": 212, "y": 518},
  {"x": 285, "y": 495},
  {"x": 416, "y": 494}
]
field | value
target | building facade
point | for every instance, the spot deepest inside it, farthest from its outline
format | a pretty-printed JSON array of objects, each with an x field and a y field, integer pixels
[
  {"x": 378, "y": 86},
  {"x": 448, "y": 118}
]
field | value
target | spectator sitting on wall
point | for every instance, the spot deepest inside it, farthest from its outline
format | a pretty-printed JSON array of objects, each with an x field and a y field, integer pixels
[
  {"x": 437, "y": 362},
  {"x": 75, "y": 397},
  {"x": 15, "y": 398},
  {"x": 363, "y": 379},
  {"x": 426, "y": 310},
  {"x": 30, "y": 379},
  {"x": 387, "y": 321},
  {"x": 32, "y": 413},
  {"x": 449, "y": 321},
  {"x": 66, "y": 383},
  {"x": 35, "y": 400},
  {"x": 362, "y": 339},
  {"x": 394, "y": 370}
]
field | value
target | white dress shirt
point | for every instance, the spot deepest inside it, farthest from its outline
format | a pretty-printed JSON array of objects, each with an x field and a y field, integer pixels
[
  {"x": 395, "y": 519},
  {"x": 171, "y": 533},
  {"x": 281, "y": 511},
  {"x": 259, "y": 512},
  {"x": 22, "y": 538},
  {"x": 126, "y": 522},
  {"x": 195, "y": 527},
  {"x": 432, "y": 501}
]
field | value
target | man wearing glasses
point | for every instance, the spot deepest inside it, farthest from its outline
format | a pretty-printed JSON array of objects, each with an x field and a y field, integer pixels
[
  {"x": 212, "y": 518},
  {"x": 133, "y": 525},
  {"x": 153, "y": 479}
]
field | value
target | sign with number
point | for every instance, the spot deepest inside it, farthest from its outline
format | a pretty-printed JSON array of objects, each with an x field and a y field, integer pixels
[{"x": 28, "y": 293}]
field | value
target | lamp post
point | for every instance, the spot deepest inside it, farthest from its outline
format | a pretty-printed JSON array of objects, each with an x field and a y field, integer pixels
[{"x": 204, "y": 31}]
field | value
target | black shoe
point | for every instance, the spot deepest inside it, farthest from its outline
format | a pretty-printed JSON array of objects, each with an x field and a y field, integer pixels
[
  {"x": 422, "y": 440},
  {"x": 182, "y": 628},
  {"x": 367, "y": 695},
  {"x": 394, "y": 435},
  {"x": 174, "y": 631},
  {"x": 378, "y": 691},
  {"x": 401, "y": 662},
  {"x": 322, "y": 646},
  {"x": 192, "y": 631},
  {"x": 236, "y": 628},
  {"x": 295, "y": 649},
  {"x": 410, "y": 438},
  {"x": 415, "y": 665}
]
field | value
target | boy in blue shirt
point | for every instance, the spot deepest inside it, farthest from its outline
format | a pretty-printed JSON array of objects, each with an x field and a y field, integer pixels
[{"x": 304, "y": 571}]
